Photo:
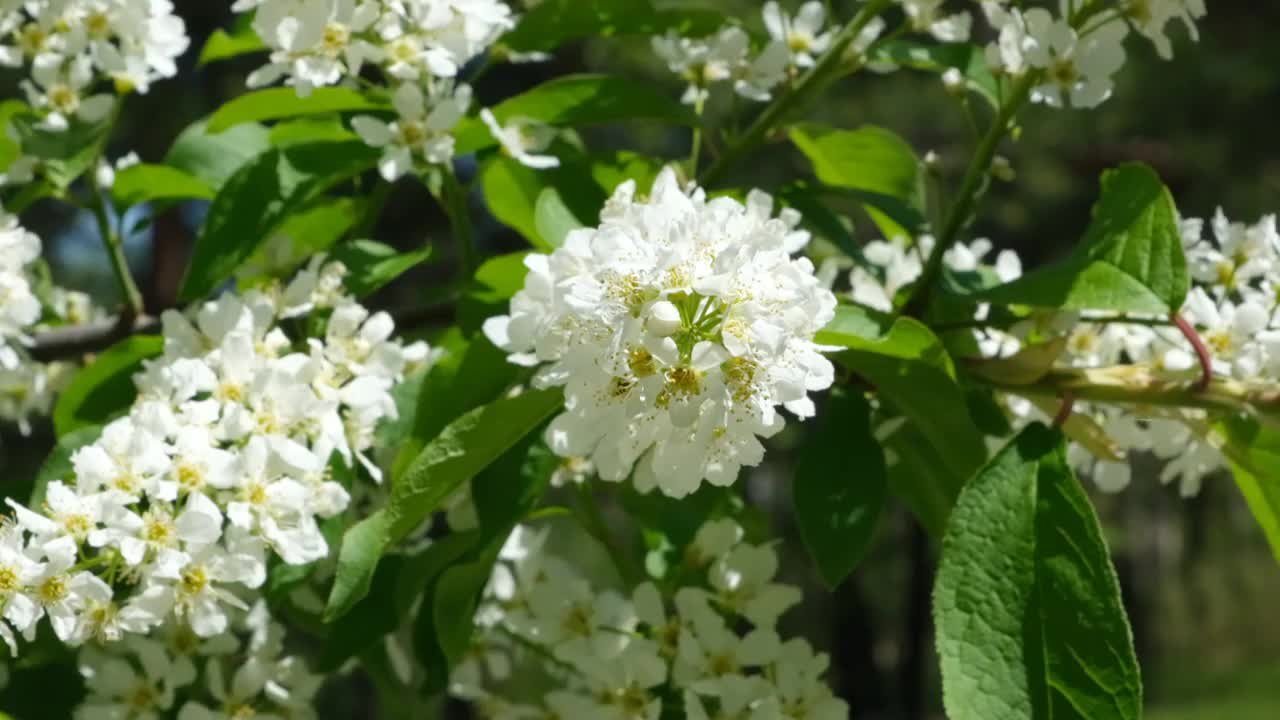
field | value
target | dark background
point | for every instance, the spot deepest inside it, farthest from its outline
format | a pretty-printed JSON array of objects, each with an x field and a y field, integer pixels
[{"x": 1199, "y": 581}]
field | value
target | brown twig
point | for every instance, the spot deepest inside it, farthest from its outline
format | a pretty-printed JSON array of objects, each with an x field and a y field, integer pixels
[
  {"x": 1064, "y": 412},
  {"x": 1202, "y": 351},
  {"x": 76, "y": 340}
]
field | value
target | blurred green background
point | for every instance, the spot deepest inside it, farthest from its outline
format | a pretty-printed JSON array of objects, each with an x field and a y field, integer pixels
[{"x": 1200, "y": 584}]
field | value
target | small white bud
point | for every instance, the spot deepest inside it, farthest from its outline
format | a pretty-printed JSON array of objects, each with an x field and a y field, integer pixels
[
  {"x": 953, "y": 81},
  {"x": 1002, "y": 170},
  {"x": 664, "y": 319}
]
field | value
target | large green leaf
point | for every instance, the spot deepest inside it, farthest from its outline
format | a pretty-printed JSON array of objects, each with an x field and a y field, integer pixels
[
  {"x": 467, "y": 446},
  {"x": 143, "y": 183},
  {"x": 504, "y": 494},
  {"x": 513, "y": 193},
  {"x": 554, "y": 22},
  {"x": 223, "y": 45},
  {"x": 215, "y": 158},
  {"x": 311, "y": 230},
  {"x": 370, "y": 265},
  {"x": 471, "y": 374},
  {"x": 284, "y": 102},
  {"x": 910, "y": 368},
  {"x": 104, "y": 388},
  {"x": 258, "y": 197},
  {"x": 576, "y": 101},
  {"x": 1027, "y": 605},
  {"x": 1131, "y": 258},
  {"x": 840, "y": 487},
  {"x": 874, "y": 166},
  {"x": 921, "y": 478},
  {"x": 1254, "y": 452}
]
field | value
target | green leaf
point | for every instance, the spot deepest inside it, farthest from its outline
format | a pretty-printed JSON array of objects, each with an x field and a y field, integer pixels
[
  {"x": 513, "y": 192},
  {"x": 464, "y": 448},
  {"x": 58, "y": 465},
  {"x": 610, "y": 170},
  {"x": 840, "y": 487},
  {"x": 104, "y": 388},
  {"x": 921, "y": 478},
  {"x": 371, "y": 265},
  {"x": 284, "y": 102},
  {"x": 143, "y": 183},
  {"x": 819, "y": 218},
  {"x": 257, "y": 198},
  {"x": 309, "y": 130},
  {"x": 869, "y": 158},
  {"x": 552, "y": 23},
  {"x": 495, "y": 282},
  {"x": 10, "y": 148},
  {"x": 1131, "y": 258},
  {"x": 970, "y": 60},
  {"x": 302, "y": 235},
  {"x": 1027, "y": 605},
  {"x": 577, "y": 101},
  {"x": 910, "y": 368},
  {"x": 222, "y": 45},
  {"x": 1254, "y": 452},
  {"x": 470, "y": 375},
  {"x": 215, "y": 158},
  {"x": 553, "y": 219},
  {"x": 65, "y": 154}
]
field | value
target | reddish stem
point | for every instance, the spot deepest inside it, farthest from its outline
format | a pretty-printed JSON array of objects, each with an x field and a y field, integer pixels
[
  {"x": 1202, "y": 350},
  {"x": 1064, "y": 412}
]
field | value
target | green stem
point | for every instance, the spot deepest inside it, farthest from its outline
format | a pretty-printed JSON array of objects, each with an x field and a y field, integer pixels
[
  {"x": 114, "y": 245},
  {"x": 826, "y": 66},
  {"x": 588, "y": 515},
  {"x": 971, "y": 189},
  {"x": 376, "y": 201},
  {"x": 696, "y": 151},
  {"x": 1141, "y": 386},
  {"x": 459, "y": 212}
]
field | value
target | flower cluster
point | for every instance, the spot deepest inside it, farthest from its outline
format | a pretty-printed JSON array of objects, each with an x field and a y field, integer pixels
[
  {"x": 237, "y": 674},
  {"x": 27, "y": 387},
  {"x": 316, "y": 43},
  {"x": 710, "y": 650},
  {"x": 1233, "y": 305},
  {"x": 1077, "y": 53},
  {"x": 223, "y": 456},
  {"x": 73, "y": 47},
  {"x": 727, "y": 55},
  {"x": 676, "y": 328}
]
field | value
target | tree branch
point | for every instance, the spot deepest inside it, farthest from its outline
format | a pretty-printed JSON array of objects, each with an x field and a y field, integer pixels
[
  {"x": 73, "y": 341},
  {"x": 784, "y": 103}
]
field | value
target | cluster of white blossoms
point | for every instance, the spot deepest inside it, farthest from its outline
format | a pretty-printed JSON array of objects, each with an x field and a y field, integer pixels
[
  {"x": 28, "y": 388},
  {"x": 676, "y": 328},
  {"x": 238, "y": 674},
  {"x": 317, "y": 43},
  {"x": 710, "y": 650},
  {"x": 1233, "y": 305},
  {"x": 223, "y": 457},
  {"x": 73, "y": 48},
  {"x": 1079, "y": 50}
]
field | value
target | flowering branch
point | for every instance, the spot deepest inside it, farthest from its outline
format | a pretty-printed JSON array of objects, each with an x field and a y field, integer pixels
[
  {"x": 1139, "y": 386},
  {"x": 772, "y": 115},
  {"x": 971, "y": 189}
]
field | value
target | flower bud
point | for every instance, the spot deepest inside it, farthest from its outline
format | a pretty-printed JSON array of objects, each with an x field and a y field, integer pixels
[
  {"x": 664, "y": 319},
  {"x": 953, "y": 81}
]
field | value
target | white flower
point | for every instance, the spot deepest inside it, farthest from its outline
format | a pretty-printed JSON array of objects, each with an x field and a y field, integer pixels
[
  {"x": 118, "y": 688},
  {"x": 691, "y": 403},
  {"x": 315, "y": 42},
  {"x": 420, "y": 135},
  {"x": 520, "y": 138},
  {"x": 926, "y": 16},
  {"x": 1078, "y": 66},
  {"x": 801, "y": 35},
  {"x": 1152, "y": 17}
]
